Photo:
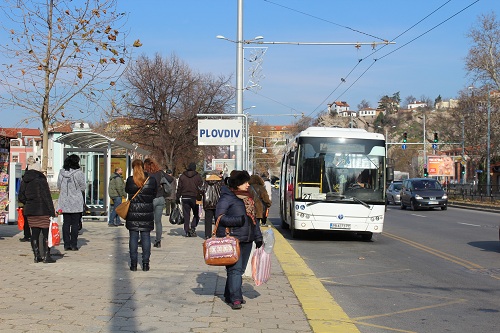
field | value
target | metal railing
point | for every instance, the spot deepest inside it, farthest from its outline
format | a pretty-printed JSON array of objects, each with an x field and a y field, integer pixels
[{"x": 474, "y": 192}]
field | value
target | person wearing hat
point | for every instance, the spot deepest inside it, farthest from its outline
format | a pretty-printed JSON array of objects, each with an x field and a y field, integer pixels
[
  {"x": 236, "y": 210},
  {"x": 188, "y": 188},
  {"x": 211, "y": 194}
]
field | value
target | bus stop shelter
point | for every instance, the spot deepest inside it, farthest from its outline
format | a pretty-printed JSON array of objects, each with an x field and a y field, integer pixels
[{"x": 97, "y": 152}]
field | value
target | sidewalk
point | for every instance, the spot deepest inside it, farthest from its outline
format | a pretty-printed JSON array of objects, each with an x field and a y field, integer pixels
[{"x": 93, "y": 290}]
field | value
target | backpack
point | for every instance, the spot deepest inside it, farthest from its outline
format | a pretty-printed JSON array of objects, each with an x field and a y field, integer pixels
[{"x": 165, "y": 185}]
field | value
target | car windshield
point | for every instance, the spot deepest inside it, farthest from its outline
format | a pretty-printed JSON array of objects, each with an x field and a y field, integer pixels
[
  {"x": 426, "y": 185},
  {"x": 397, "y": 187}
]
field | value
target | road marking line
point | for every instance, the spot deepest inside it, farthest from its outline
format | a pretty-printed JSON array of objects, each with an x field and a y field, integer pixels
[
  {"x": 459, "y": 261},
  {"x": 418, "y": 215},
  {"x": 321, "y": 310},
  {"x": 472, "y": 225}
]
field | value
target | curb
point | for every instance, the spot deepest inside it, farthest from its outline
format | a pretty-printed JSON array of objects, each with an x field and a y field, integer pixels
[{"x": 472, "y": 206}]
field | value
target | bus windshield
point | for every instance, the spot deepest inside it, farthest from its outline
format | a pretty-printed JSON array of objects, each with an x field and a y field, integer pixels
[{"x": 340, "y": 169}]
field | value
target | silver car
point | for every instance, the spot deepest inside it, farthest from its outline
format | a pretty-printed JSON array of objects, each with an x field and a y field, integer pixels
[{"x": 392, "y": 193}]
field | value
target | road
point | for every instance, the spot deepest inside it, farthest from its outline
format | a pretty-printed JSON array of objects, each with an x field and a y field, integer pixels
[{"x": 430, "y": 271}]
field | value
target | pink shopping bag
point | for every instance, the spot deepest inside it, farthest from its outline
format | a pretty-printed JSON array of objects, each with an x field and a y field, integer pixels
[{"x": 261, "y": 266}]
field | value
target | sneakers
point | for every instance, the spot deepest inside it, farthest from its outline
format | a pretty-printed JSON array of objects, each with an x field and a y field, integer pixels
[
  {"x": 236, "y": 305},
  {"x": 25, "y": 239},
  {"x": 157, "y": 244}
]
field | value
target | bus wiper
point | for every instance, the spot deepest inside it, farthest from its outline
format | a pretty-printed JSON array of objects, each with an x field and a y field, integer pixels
[{"x": 361, "y": 202}]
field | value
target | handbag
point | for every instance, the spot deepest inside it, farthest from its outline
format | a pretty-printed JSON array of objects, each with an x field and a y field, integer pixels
[
  {"x": 122, "y": 209},
  {"x": 20, "y": 219},
  {"x": 261, "y": 266},
  {"x": 54, "y": 233},
  {"x": 221, "y": 251}
]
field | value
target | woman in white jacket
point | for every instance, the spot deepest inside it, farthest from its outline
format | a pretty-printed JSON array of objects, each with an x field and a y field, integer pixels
[{"x": 71, "y": 185}]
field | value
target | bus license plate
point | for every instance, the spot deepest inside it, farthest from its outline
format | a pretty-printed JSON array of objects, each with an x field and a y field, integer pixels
[{"x": 340, "y": 226}]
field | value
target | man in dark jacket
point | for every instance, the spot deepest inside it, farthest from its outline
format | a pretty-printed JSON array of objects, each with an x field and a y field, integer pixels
[
  {"x": 116, "y": 190},
  {"x": 189, "y": 188}
]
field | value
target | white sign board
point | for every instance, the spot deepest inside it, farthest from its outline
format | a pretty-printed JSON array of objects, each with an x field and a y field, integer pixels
[{"x": 220, "y": 132}]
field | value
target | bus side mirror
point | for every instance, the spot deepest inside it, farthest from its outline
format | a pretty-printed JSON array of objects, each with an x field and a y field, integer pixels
[
  {"x": 389, "y": 174},
  {"x": 291, "y": 158}
]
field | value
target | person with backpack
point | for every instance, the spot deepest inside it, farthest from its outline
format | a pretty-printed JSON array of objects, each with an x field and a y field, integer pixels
[
  {"x": 116, "y": 191},
  {"x": 153, "y": 169},
  {"x": 211, "y": 194}
]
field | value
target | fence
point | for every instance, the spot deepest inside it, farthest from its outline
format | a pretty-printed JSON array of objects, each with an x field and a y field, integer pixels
[{"x": 473, "y": 192}]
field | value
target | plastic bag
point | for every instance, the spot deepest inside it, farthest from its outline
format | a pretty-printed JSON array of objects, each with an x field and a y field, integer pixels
[
  {"x": 54, "y": 234},
  {"x": 176, "y": 216},
  {"x": 20, "y": 219},
  {"x": 261, "y": 266},
  {"x": 268, "y": 240}
]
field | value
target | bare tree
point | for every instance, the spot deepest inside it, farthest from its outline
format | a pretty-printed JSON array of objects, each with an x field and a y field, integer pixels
[
  {"x": 364, "y": 104},
  {"x": 165, "y": 96},
  {"x": 64, "y": 57},
  {"x": 483, "y": 60}
]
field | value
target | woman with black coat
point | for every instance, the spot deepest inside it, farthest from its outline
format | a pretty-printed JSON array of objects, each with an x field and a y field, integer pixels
[
  {"x": 237, "y": 210},
  {"x": 140, "y": 217},
  {"x": 34, "y": 193}
]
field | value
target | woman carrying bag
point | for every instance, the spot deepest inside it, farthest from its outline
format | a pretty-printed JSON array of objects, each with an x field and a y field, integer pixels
[
  {"x": 140, "y": 217},
  {"x": 236, "y": 209}
]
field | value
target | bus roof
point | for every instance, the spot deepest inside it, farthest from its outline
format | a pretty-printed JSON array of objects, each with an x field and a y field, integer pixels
[{"x": 336, "y": 132}]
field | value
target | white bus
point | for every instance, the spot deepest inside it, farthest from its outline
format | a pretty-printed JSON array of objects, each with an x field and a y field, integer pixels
[{"x": 334, "y": 179}]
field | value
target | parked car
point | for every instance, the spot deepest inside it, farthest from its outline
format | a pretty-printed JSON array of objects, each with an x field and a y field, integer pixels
[
  {"x": 393, "y": 191},
  {"x": 277, "y": 184},
  {"x": 419, "y": 193}
]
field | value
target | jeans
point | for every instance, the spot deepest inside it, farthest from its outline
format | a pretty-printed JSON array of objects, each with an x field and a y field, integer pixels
[
  {"x": 209, "y": 217},
  {"x": 133, "y": 245},
  {"x": 158, "y": 205},
  {"x": 71, "y": 223},
  {"x": 169, "y": 206},
  {"x": 232, "y": 291},
  {"x": 113, "y": 217},
  {"x": 188, "y": 205}
]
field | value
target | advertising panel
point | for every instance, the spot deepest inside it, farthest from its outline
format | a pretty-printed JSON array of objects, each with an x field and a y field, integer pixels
[
  {"x": 220, "y": 132},
  {"x": 441, "y": 166}
]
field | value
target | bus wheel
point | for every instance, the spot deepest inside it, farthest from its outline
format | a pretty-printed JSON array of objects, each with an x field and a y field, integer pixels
[
  {"x": 296, "y": 233},
  {"x": 367, "y": 237},
  {"x": 284, "y": 225}
]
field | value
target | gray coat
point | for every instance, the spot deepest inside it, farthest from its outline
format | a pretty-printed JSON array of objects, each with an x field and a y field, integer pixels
[{"x": 71, "y": 184}]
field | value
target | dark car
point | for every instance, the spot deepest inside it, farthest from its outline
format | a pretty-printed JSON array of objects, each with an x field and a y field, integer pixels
[
  {"x": 393, "y": 191},
  {"x": 420, "y": 193}
]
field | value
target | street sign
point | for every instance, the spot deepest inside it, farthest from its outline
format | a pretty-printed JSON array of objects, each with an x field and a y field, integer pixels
[
  {"x": 479, "y": 171},
  {"x": 434, "y": 146},
  {"x": 403, "y": 147}
]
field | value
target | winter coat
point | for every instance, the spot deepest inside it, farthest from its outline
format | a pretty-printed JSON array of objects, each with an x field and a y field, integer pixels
[
  {"x": 189, "y": 184},
  {"x": 234, "y": 217},
  {"x": 211, "y": 193},
  {"x": 172, "y": 182},
  {"x": 262, "y": 201},
  {"x": 269, "y": 188},
  {"x": 140, "y": 215},
  {"x": 71, "y": 184},
  {"x": 157, "y": 176},
  {"x": 34, "y": 193},
  {"x": 116, "y": 186}
]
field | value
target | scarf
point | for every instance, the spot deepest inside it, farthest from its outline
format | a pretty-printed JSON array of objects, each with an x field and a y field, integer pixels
[{"x": 248, "y": 201}]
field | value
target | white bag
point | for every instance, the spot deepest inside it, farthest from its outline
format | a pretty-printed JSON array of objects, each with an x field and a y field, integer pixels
[{"x": 261, "y": 266}]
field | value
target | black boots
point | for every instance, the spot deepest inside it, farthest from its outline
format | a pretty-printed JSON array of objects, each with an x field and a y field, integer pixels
[
  {"x": 133, "y": 266},
  {"x": 36, "y": 250},
  {"x": 145, "y": 266},
  {"x": 47, "y": 259},
  {"x": 157, "y": 244}
]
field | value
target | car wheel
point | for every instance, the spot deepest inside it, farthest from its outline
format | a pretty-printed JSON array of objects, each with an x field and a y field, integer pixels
[
  {"x": 413, "y": 205},
  {"x": 367, "y": 237},
  {"x": 444, "y": 207}
]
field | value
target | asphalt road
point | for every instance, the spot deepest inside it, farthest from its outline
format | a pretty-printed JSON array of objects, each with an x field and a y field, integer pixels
[{"x": 429, "y": 271}]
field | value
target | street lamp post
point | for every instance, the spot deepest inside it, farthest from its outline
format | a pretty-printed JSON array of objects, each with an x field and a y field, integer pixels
[{"x": 488, "y": 180}]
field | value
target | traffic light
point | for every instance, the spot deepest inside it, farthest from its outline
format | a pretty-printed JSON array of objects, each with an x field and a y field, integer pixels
[
  {"x": 405, "y": 137},
  {"x": 436, "y": 139},
  {"x": 425, "y": 172},
  {"x": 462, "y": 169}
]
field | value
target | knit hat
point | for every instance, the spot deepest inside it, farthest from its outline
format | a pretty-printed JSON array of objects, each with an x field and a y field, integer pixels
[{"x": 237, "y": 178}]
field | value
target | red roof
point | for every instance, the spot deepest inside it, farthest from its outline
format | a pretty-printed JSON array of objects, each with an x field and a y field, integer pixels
[{"x": 12, "y": 132}]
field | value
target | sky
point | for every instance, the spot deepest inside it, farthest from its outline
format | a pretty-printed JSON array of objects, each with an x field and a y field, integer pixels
[{"x": 427, "y": 58}]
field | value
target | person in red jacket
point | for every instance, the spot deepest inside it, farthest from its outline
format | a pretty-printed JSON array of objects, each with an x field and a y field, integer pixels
[{"x": 189, "y": 188}]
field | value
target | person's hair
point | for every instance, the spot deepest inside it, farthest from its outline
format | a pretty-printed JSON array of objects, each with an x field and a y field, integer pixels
[
  {"x": 71, "y": 162},
  {"x": 138, "y": 173},
  {"x": 237, "y": 178},
  {"x": 150, "y": 165},
  {"x": 116, "y": 169}
]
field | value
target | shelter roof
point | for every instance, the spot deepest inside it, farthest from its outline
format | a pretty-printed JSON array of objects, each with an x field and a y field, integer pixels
[{"x": 88, "y": 139}]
